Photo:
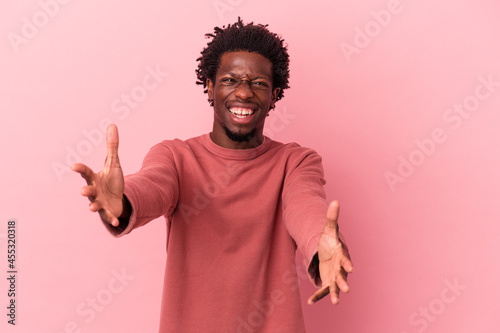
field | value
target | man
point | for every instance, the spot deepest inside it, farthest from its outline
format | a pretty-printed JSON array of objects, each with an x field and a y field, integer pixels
[{"x": 237, "y": 204}]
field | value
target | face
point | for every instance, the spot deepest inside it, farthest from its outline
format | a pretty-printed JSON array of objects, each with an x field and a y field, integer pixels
[{"x": 243, "y": 95}]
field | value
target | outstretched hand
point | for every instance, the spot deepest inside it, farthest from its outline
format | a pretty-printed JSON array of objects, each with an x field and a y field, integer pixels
[
  {"x": 105, "y": 189},
  {"x": 334, "y": 260}
]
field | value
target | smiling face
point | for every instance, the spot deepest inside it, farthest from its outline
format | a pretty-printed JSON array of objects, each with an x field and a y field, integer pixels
[{"x": 243, "y": 95}]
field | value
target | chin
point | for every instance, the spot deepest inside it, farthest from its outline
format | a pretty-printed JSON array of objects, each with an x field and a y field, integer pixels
[{"x": 239, "y": 136}]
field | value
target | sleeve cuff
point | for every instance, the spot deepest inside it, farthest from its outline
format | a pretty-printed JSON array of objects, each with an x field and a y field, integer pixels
[
  {"x": 126, "y": 224},
  {"x": 313, "y": 271}
]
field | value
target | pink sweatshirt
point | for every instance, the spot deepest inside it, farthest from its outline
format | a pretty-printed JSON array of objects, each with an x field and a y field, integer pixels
[{"x": 234, "y": 220}]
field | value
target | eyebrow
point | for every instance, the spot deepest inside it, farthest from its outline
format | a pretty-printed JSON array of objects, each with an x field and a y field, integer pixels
[{"x": 236, "y": 75}]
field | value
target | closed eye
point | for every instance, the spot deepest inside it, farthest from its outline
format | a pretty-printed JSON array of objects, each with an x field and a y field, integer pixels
[
  {"x": 260, "y": 83},
  {"x": 228, "y": 80}
]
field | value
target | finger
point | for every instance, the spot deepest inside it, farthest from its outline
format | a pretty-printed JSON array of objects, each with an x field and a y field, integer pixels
[
  {"x": 108, "y": 217},
  {"x": 341, "y": 282},
  {"x": 89, "y": 191},
  {"x": 334, "y": 296},
  {"x": 348, "y": 266},
  {"x": 332, "y": 214},
  {"x": 95, "y": 206},
  {"x": 115, "y": 222},
  {"x": 84, "y": 171},
  {"x": 112, "y": 146},
  {"x": 319, "y": 294},
  {"x": 105, "y": 215}
]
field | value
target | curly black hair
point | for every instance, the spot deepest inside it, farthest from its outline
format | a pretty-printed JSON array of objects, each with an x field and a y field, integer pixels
[{"x": 244, "y": 37}]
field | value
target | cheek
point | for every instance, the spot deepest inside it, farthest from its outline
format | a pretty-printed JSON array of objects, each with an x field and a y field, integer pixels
[
  {"x": 221, "y": 94},
  {"x": 266, "y": 98}
]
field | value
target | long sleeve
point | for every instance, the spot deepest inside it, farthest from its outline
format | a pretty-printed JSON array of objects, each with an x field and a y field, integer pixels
[
  {"x": 305, "y": 206},
  {"x": 153, "y": 191},
  {"x": 233, "y": 218}
]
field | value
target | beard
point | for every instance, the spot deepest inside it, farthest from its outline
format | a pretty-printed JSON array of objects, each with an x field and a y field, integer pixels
[{"x": 238, "y": 136}]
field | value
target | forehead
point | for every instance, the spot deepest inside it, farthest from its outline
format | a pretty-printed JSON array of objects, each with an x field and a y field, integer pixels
[{"x": 244, "y": 62}]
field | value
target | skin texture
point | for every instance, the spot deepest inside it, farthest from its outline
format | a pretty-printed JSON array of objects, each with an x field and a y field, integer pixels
[{"x": 244, "y": 80}]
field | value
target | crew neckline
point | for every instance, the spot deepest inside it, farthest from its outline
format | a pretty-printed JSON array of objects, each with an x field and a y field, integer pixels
[{"x": 236, "y": 154}]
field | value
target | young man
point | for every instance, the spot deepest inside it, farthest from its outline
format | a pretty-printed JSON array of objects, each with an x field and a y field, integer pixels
[{"x": 237, "y": 204}]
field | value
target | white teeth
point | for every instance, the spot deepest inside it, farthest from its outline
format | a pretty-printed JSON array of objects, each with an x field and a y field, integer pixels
[{"x": 241, "y": 112}]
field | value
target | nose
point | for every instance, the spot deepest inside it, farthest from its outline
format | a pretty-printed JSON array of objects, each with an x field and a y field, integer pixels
[{"x": 243, "y": 90}]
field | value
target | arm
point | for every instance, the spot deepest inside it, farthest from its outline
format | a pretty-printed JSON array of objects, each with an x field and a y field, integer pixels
[
  {"x": 305, "y": 206},
  {"x": 125, "y": 203},
  {"x": 152, "y": 191}
]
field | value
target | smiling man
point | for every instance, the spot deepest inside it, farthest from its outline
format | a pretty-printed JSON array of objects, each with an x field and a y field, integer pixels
[
  {"x": 242, "y": 96},
  {"x": 237, "y": 204}
]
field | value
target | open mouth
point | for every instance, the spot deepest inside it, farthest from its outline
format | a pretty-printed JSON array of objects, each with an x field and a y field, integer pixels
[{"x": 241, "y": 112}]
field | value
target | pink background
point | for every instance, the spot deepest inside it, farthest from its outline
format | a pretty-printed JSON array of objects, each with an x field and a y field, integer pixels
[{"x": 374, "y": 87}]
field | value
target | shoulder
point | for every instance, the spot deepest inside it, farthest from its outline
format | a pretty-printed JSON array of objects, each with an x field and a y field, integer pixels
[
  {"x": 172, "y": 151},
  {"x": 174, "y": 145},
  {"x": 293, "y": 150}
]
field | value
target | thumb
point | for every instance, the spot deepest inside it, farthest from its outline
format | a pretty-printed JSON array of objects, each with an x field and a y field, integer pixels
[
  {"x": 112, "y": 146},
  {"x": 332, "y": 214}
]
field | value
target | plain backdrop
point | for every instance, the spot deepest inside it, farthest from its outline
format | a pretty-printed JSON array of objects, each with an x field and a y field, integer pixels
[{"x": 401, "y": 98}]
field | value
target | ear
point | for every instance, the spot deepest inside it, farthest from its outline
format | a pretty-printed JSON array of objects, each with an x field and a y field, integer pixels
[
  {"x": 210, "y": 89},
  {"x": 274, "y": 96}
]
